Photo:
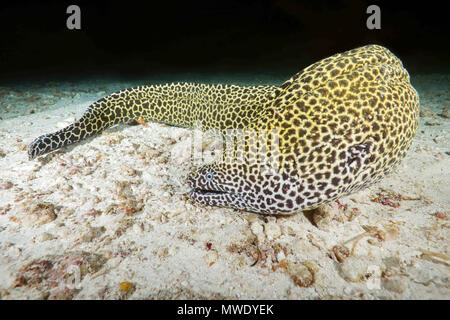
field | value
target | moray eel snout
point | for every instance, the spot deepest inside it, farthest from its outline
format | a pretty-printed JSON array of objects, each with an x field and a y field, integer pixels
[{"x": 211, "y": 185}]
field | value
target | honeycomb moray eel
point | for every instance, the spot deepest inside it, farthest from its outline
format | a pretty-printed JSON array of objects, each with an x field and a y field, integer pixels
[{"x": 339, "y": 125}]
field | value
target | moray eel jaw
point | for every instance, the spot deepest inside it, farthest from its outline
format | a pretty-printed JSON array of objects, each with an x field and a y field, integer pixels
[
  {"x": 202, "y": 192},
  {"x": 213, "y": 197},
  {"x": 223, "y": 199}
]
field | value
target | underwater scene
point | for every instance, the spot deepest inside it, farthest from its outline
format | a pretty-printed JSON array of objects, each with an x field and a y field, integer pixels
[{"x": 230, "y": 150}]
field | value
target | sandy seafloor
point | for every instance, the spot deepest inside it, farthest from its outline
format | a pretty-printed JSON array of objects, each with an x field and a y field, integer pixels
[{"x": 110, "y": 218}]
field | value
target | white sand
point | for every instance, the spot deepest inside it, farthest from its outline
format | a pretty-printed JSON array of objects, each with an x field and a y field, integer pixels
[{"x": 110, "y": 218}]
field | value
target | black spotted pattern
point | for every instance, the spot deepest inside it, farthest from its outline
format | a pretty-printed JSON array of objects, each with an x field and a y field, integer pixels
[{"x": 339, "y": 125}]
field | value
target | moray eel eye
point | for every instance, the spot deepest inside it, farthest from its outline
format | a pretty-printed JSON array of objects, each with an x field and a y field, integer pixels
[{"x": 209, "y": 177}]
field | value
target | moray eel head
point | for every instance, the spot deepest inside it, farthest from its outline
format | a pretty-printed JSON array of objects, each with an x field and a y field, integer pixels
[
  {"x": 211, "y": 185},
  {"x": 219, "y": 185}
]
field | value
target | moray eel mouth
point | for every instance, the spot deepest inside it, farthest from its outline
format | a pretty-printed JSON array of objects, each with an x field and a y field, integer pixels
[
  {"x": 206, "y": 192},
  {"x": 216, "y": 198},
  {"x": 211, "y": 194}
]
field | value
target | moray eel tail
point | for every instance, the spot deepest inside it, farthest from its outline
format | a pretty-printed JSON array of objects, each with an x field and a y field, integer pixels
[
  {"x": 177, "y": 104},
  {"x": 100, "y": 115}
]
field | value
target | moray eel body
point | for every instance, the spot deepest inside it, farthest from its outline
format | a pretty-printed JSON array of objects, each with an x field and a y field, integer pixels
[{"x": 336, "y": 127}]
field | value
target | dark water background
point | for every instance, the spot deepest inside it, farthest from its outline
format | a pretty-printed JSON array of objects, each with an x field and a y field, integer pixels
[{"x": 269, "y": 39}]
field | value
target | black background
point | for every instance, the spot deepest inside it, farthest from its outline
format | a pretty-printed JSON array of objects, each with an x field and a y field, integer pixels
[{"x": 134, "y": 38}]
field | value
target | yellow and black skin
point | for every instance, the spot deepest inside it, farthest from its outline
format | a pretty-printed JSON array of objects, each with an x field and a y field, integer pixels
[{"x": 340, "y": 125}]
